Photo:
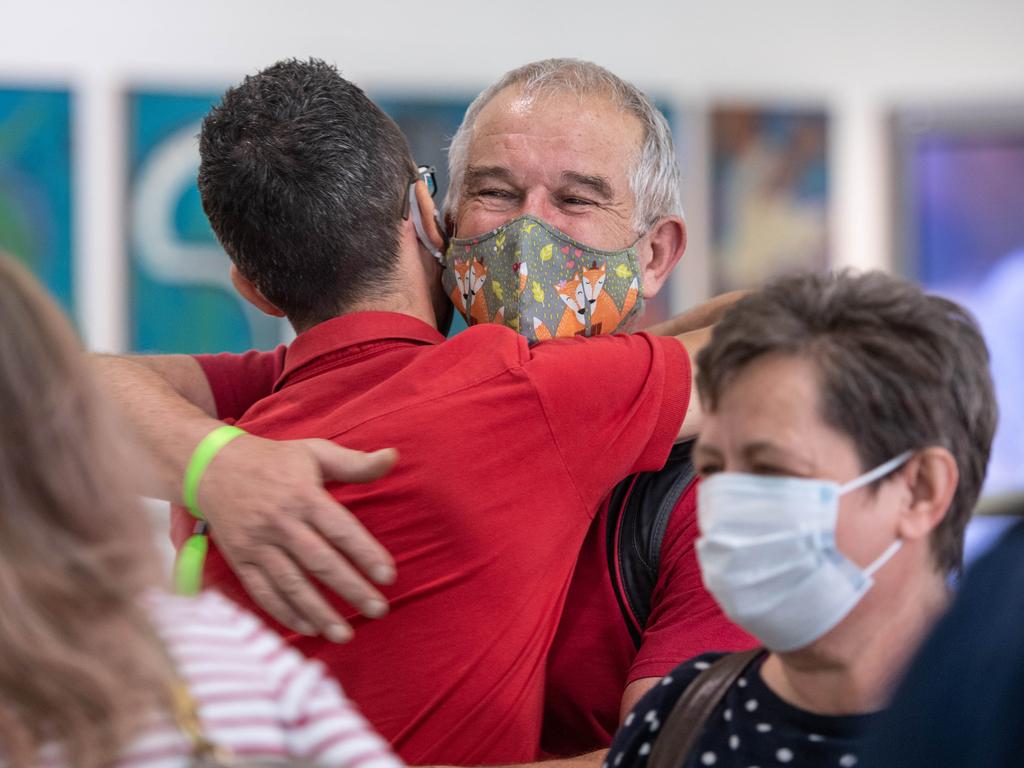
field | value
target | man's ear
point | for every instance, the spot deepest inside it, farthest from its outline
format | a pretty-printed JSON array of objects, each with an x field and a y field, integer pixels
[
  {"x": 252, "y": 294},
  {"x": 932, "y": 477},
  {"x": 427, "y": 213},
  {"x": 665, "y": 245}
]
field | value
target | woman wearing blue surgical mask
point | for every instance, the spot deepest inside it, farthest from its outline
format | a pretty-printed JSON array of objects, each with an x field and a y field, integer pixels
[{"x": 848, "y": 426}]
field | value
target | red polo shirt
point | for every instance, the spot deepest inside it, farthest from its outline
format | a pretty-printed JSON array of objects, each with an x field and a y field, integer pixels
[{"x": 506, "y": 453}]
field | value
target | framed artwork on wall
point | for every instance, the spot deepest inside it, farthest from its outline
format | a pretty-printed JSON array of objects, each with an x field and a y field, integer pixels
[
  {"x": 769, "y": 193},
  {"x": 36, "y": 185},
  {"x": 181, "y": 297},
  {"x": 959, "y": 231}
]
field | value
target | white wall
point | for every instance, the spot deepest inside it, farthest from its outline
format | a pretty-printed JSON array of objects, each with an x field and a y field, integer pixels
[{"x": 859, "y": 58}]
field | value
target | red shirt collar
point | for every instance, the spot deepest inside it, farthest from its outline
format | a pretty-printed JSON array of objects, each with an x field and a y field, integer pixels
[{"x": 340, "y": 335}]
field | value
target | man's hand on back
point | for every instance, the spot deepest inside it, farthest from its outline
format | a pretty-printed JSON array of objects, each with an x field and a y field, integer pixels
[
  {"x": 276, "y": 526},
  {"x": 265, "y": 500}
]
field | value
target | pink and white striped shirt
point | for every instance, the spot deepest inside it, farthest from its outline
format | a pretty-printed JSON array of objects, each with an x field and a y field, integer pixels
[{"x": 256, "y": 696}]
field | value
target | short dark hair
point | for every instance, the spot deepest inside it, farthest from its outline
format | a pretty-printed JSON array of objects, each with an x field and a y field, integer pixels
[
  {"x": 900, "y": 370},
  {"x": 303, "y": 180}
]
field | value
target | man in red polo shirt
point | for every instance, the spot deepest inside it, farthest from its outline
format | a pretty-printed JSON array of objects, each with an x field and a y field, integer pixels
[
  {"x": 596, "y": 661},
  {"x": 507, "y": 450}
]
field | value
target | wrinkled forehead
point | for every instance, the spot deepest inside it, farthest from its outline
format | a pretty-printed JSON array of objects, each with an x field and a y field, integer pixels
[{"x": 557, "y": 131}]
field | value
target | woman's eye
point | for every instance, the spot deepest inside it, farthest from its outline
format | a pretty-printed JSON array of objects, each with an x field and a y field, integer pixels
[
  {"x": 706, "y": 470},
  {"x": 770, "y": 470}
]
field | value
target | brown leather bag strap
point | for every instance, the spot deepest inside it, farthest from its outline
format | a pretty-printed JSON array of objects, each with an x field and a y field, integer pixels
[{"x": 685, "y": 723}]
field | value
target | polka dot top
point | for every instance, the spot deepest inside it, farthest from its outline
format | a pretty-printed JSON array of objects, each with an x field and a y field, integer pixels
[{"x": 751, "y": 728}]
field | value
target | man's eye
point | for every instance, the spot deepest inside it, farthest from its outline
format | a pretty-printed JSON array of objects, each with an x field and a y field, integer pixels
[
  {"x": 576, "y": 201},
  {"x": 706, "y": 470},
  {"x": 497, "y": 193}
]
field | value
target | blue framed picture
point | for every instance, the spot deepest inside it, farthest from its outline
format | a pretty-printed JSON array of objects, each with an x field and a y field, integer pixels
[
  {"x": 181, "y": 298},
  {"x": 36, "y": 185}
]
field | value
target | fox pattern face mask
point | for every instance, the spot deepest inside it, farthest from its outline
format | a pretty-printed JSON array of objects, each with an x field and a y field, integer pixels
[{"x": 542, "y": 283}]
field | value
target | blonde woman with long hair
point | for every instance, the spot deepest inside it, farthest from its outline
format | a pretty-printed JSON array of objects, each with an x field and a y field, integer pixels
[{"x": 98, "y": 665}]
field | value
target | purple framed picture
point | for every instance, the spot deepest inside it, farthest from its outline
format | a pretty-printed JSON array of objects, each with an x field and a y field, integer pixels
[{"x": 959, "y": 230}]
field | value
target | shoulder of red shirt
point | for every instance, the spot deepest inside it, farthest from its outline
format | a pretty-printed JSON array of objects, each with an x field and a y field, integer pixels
[
  {"x": 237, "y": 381},
  {"x": 685, "y": 621}
]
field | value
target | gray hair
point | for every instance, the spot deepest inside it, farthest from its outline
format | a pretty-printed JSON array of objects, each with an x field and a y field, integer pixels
[{"x": 655, "y": 179}]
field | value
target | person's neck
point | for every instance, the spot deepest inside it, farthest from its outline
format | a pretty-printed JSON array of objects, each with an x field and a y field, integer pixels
[
  {"x": 412, "y": 299},
  {"x": 414, "y": 275},
  {"x": 396, "y": 305},
  {"x": 401, "y": 304},
  {"x": 852, "y": 669}
]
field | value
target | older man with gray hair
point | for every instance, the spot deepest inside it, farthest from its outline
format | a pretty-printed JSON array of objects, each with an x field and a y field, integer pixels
[
  {"x": 565, "y": 216},
  {"x": 568, "y": 143},
  {"x": 573, "y": 146}
]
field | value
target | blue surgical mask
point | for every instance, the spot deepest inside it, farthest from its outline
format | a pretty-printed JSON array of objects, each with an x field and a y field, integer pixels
[{"x": 768, "y": 555}]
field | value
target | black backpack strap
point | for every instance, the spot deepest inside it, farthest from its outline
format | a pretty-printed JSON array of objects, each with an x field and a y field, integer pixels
[{"x": 638, "y": 515}]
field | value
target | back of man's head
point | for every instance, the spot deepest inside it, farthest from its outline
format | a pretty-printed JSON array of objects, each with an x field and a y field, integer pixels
[{"x": 303, "y": 179}]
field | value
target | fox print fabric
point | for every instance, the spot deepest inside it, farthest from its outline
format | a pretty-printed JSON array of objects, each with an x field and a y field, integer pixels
[{"x": 542, "y": 283}]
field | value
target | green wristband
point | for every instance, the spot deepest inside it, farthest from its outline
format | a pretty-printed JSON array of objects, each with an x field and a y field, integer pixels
[
  {"x": 204, "y": 453},
  {"x": 188, "y": 568}
]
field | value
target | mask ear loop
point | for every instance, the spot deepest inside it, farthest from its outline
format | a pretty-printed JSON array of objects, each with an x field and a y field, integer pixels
[
  {"x": 876, "y": 473},
  {"x": 883, "y": 558},
  {"x": 867, "y": 478},
  {"x": 421, "y": 232}
]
